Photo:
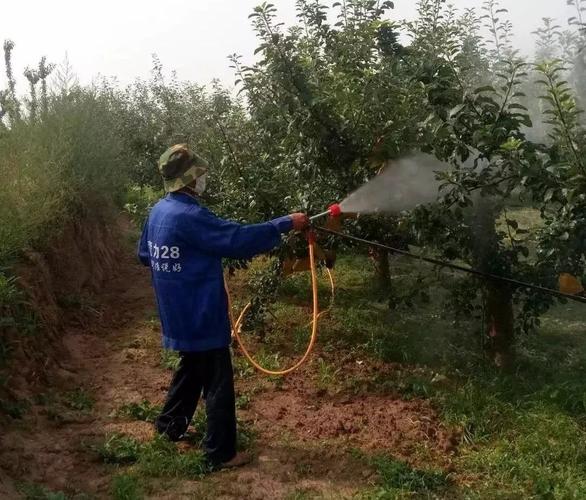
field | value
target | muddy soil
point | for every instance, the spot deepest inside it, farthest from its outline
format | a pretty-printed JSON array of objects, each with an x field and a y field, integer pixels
[{"x": 305, "y": 436}]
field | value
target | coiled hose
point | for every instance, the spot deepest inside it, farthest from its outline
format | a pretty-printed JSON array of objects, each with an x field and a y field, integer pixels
[{"x": 237, "y": 325}]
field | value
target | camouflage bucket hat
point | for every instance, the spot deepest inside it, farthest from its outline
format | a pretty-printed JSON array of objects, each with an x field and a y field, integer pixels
[{"x": 180, "y": 167}]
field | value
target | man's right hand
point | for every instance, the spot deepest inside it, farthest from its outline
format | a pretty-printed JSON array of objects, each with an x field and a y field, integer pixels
[{"x": 300, "y": 221}]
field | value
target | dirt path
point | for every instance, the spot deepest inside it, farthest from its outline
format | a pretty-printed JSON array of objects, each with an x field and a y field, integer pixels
[{"x": 306, "y": 437}]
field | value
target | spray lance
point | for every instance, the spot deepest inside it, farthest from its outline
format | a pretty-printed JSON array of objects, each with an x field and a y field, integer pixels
[
  {"x": 412, "y": 181},
  {"x": 336, "y": 210}
]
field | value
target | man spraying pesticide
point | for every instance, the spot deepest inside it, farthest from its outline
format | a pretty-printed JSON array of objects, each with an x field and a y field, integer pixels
[{"x": 184, "y": 243}]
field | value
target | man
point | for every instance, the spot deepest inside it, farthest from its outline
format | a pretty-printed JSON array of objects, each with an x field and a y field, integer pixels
[{"x": 183, "y": 243}]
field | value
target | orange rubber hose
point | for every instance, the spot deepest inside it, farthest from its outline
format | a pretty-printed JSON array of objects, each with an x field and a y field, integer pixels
[{"x": 237, "y": 326}]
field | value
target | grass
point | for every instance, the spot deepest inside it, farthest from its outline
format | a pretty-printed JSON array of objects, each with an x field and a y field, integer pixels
[
  {"x": 327, "y": 374},
  {"x": 170, "y": 359},
  {"x": 144, "y": 411},
  {"x": 157, "y": 458},
  {"x": 399, "y": 477},
  {"x": 160, "y": 458},
  {"x": 302, "y": 494},
  {"x": 119, "y": 449},
  {"x": 32, "y": 491},
  {"x": 59, "y": 407},
  {"x": 79, "y": 400},
  {"x": 242, "y": 368},
  {"x": 14, "y": 409},
  {"x": 126, "y": 487},
  {"x": 16, "y": 318},
  {"x": 139, "y": 201},
  {"x": 243, "y": 401},
  {"x": 523, "y": 434},
  {"x": 245, "y": 436}
]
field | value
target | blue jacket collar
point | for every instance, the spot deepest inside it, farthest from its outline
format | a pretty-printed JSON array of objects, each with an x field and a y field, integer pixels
[{"x": 183, "y": 198}]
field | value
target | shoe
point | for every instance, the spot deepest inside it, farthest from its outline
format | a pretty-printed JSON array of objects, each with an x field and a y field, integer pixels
[
  {"x": 239, "y": 460},
  {"x": 175, "y": 430}
]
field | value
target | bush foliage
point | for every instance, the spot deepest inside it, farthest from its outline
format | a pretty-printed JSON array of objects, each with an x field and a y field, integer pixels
[{"x": 329, "y": 102}]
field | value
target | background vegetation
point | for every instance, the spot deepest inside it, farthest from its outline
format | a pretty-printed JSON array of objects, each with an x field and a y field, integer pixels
[{"x": 328, "y": 103}]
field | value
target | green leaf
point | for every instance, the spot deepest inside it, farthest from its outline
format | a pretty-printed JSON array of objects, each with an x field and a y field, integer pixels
[
  {"x": 457, "y": 110},
  {"x": 517, "y": 106},
  {"x": 486, "y": 88}
]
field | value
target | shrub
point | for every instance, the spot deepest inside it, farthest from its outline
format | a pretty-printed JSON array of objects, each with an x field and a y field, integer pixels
[
  {"x": 145, "y": 411},
  {"x": 126, "y": 487}
]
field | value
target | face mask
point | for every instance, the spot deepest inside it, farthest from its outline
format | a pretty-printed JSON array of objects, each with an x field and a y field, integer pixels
[{"x": 200, "y": 184}]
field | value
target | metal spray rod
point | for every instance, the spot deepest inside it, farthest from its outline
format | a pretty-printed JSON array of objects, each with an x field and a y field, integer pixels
[
  {"x": 333, "y": 211},
  {"x": 455, "y": 267}
]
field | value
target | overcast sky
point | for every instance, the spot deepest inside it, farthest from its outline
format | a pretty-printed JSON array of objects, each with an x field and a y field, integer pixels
[{"x": 193, "y": 37}]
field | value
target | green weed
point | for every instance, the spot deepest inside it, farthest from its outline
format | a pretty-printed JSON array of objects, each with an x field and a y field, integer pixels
[
  {"x": 14, "y": 409},
  {"x": 15, "y": 315},
  {"x": 126, "y": 487},
  {"x": 196, "y": 435},
  {"x": 160, "y": 458},
  {"x": 242, "y": 367},
  {"x": 79, "y": 400},
  {"x": 327, "y": 374},
  {"x": 31, "y": 491},
  {"x": 119, "y": 449},
  {"x": 144, "y": 411},
  {"x": 396, "y": 476},
  {"x": 59, "y": 407},
  {"x": 9, "y": 292},
  {"x": 302, "y": 494},
  {"x": 139, "y": 201},
  {"x": 246, "y": 436},
  {"x": 170, "y": 359},
  {"x": 53, "y": 407},
  {"x": 84, "y": 303},
  {"x": 70, "y": 159},
  {"x": 269, "y": 360},
  {"x": 243, "y": 401}
]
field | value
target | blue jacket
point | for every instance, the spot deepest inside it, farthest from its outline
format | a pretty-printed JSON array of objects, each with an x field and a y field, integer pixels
[{"x": 183, "y": 243}]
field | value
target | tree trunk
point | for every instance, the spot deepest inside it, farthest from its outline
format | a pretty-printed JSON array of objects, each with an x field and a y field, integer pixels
[
  {"x": 382, "y": 271},
  {"x": 500, "y": 331},
  {"x": 500, "y": 325}
]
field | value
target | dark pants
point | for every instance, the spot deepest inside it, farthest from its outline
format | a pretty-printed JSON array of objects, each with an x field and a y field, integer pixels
[{"x": 210, "y": 372}]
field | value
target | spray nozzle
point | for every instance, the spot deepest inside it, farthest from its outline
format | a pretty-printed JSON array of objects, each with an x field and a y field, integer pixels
[{"x": 334, "y": 210}]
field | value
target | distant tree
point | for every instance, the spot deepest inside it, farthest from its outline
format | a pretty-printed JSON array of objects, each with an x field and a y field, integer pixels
[
  {"x": 65, "y": 79},
  {"x": 33, "y": 78},
  {"x": 11, "y": 103},
  {"x": 548, "y": 36},
  {"x": 44, "y": 71}
]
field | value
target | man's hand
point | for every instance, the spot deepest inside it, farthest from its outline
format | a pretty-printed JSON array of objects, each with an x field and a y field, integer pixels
[{"x": 300, "y": 221}]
